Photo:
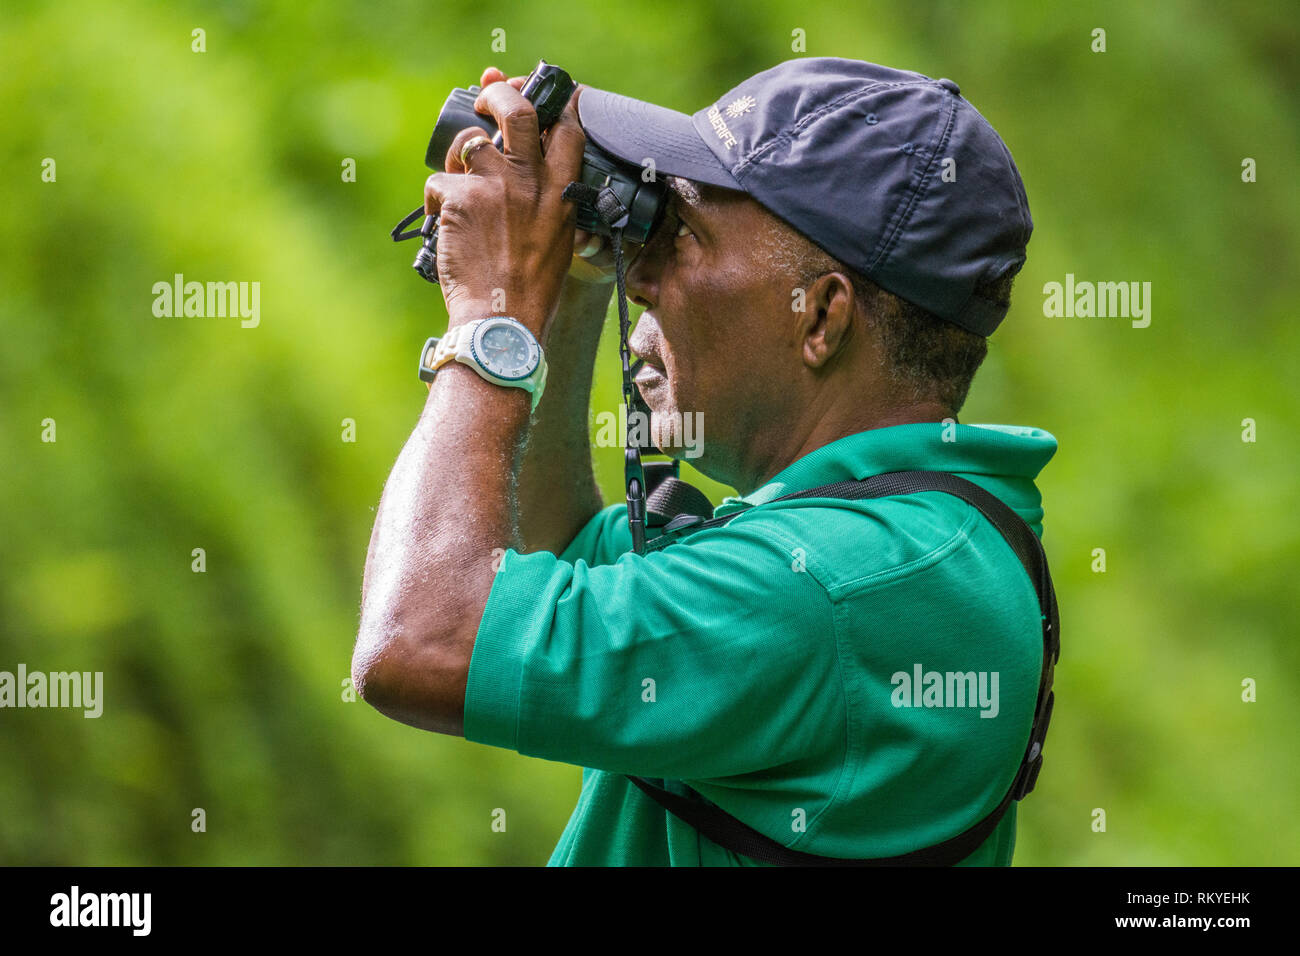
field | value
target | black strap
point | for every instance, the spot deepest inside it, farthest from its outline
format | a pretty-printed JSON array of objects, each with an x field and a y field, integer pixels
[
  {"x": 731, "y": 834},
  {"x": 670, "y": 497}
]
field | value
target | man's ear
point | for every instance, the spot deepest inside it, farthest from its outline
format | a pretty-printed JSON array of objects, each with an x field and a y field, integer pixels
[{"x": 826, "y": 324}]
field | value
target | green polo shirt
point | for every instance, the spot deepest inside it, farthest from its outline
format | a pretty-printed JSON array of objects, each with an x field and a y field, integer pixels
[{"x": 850, "y": 678}]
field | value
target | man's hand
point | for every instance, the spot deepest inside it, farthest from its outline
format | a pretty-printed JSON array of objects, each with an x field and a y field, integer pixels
[
  {"x": 505, "y": 239},
  {"x": 593, "y": 259}
]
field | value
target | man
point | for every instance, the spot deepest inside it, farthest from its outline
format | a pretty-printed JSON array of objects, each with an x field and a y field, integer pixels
[{"x": 840, "y": 241}]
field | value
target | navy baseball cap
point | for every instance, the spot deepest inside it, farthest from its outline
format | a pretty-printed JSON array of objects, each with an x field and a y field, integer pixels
[{"x": 891, "y": 172}]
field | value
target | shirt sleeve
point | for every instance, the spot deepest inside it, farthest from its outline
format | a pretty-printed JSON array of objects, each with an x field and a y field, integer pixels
[{"x": 711, "y": 658}]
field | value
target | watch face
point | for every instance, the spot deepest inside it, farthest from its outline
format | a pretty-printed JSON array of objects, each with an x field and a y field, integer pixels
[{"x": 506, "y": 349}]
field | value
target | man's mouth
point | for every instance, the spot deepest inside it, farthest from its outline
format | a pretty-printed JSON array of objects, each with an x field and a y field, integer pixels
[
  {"x": 649, "y": 362},
  {"x": 648, "y": 359}
]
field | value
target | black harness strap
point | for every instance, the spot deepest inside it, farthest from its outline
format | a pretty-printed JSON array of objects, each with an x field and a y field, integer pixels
[
  {"x": 671, "y": 497},
  {"x": 731, "y": 834}
]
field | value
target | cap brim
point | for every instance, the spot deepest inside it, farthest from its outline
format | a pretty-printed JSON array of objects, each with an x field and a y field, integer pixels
[{"x": 635, "y": 131}]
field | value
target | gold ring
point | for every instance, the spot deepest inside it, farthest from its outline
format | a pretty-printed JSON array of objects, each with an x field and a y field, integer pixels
[{"x": 472, "y": 144}]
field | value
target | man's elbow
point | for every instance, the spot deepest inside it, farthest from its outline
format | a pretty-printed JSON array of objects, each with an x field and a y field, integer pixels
[
  {"x": 367, "y": 679},
  {"x": 416, "y": 676},
  {"x": 384, "y": 653}
]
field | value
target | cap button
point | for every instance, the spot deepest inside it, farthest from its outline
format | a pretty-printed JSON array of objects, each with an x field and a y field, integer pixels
[{"x": 950, "y": 86}]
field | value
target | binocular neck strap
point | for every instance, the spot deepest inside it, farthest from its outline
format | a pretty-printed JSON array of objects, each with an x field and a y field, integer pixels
[{"x": 611, "y": 211}]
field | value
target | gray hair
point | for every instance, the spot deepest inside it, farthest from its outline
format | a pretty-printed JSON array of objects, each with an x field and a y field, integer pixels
[{"x": 928, "y": 358}]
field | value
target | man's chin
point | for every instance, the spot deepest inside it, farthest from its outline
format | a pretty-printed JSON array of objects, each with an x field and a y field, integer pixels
[{"x": 677, "y": 434}]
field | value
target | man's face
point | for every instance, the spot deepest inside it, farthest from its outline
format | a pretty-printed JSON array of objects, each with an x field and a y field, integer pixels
[{"x": 717, "y": 332}]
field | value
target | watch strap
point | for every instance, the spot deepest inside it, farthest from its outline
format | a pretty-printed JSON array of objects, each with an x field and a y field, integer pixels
[
  {"x": 454, "y": 346},
  {"x": 451, "y": 344}
]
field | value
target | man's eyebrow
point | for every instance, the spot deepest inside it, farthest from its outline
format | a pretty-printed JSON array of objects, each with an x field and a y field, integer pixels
[{"x": 686, "y": 192}]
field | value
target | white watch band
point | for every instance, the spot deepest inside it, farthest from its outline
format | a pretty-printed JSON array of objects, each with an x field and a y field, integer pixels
[
  {"x": 457, "y": 345},
  {"x": 451, "y": 345}
]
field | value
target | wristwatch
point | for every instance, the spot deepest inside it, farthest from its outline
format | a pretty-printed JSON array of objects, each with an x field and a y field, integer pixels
[{"x": 500, "y": 348}]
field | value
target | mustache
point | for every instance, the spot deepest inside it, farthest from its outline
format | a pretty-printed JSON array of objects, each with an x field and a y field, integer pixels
[{"x": 645, "y": 342}]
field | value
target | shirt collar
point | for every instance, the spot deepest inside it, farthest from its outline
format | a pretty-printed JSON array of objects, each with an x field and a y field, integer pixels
[{"x": 1014, "y": 452}]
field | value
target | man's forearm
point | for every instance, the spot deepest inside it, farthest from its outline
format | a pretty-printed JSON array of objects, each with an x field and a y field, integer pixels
[
  {"x": 557, "y": 490},
  {"x": 463, "y": 490},
  {"x": 448, "y": 505}
]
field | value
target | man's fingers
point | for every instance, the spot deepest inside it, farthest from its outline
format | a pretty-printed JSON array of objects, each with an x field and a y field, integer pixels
[
  {"x": 565, "y": 142},
  {"x": 432, "y": 196},
  {"x": 604, "y": 256},
  {"x": 481, "y": 159},
  {"x": 493, "y": 75},
  {"x": 439, "y": 189},
  {"x": 516, "y": 119},
  {"x": 587, "y": 244}
]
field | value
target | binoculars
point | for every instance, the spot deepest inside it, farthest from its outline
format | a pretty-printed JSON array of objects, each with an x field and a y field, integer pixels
[{"x": 549, "y": 89}]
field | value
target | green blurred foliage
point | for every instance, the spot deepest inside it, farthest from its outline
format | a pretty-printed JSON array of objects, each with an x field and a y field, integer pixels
[{"x": 224, "y": 689}]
